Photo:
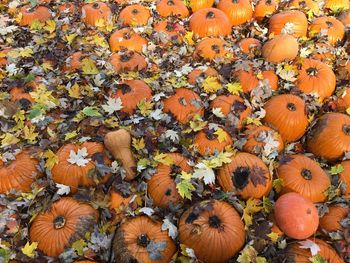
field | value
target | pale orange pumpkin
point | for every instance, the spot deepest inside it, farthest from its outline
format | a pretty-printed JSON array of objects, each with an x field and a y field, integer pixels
[
  {"x": 128, "y": 61},
  {"x": 264, "y": 8},
  {"x": 30, "y": 14},
  {"x": 210, "y": 49},
  {"x": 250, "y": 46},
  {"x": 199, "y": 4},
  {"x": 295, "y": 19},
  {"x": 275, "y": 50},
  {"x": 95, "y": 12},
  {"x": 238, "y": 11},
  {"x": 327, "y": 26}
]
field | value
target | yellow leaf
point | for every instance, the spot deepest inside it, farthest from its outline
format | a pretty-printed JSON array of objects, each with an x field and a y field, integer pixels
[
  {"x": 211, "y": 84},
  {"x": 252, "y": 206},
  {"x": 44, "y": 97},
  {"x": 29, "y": 249},
  {"x": 221, "y": 135},
  {"x": 255, "y": 121},
  {"x": 189, "y": 38},
  {"x": 8, "y": 139},
  {"x": 47, "y": 66},
  {"x": 273, "y": 236},
  {"x": 185, "y": 176},
  {"x": 50, "y": 26},
  {"x": 36, "y": 25},
  {"x": 138, "y": 144},
  {"x": 100, "y": 41},
  {"x": 219, "y": 160},
  {"x": 145, "y": 107},
  {"x": 89, "y": 67},
  {"x": 234, "y": 88},
  {"x": 163, "y": 158},
  {"x": 197, "y": 124},
  {"x": 348, "y": 111},
  {"x": 26, "y": 52},
  {"x": 30, "y": 134},
  {"x": 51, "y": 159},
  {"x": 70, "y": 38},
  {"x": 70, "y": 135},
  {"x": 100, "y": 23},
  {"x": 74, "y": 91}
]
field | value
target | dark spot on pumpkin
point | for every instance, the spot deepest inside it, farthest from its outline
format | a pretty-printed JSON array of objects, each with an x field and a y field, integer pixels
[
  {"x": 168, "y": 192},
  {"x": 312, "y": 71},
  {"x": 125, "y": 88},
  {"x": 210, "y": 15},
  {"x": 59, "y": 222},
  {"x": 215, "y": 48},
  {"x": 28, "y": 88},
  {"x": 308, "y": 211},
  {"x": 238, "y": 107},
  {"x": 24, "y": 104},
  {"x": 191, "y": 217},
  {"x": 135, "y": 11},
  {"x": 214, "y": 222},
  {"x": 302, "y": 4},
  {"x": 329, "y": 24},
  {"x": 126, "y": 35},
  {"x": 98, "y": 157},
  {"x": 95, "y": 5},
  {"x": 182, "y": 101},
  {"x": 126, "y": 57},
  {"x": 170, "y": 2},
  {"x": 240, "y": 177},
  {"x": 143, "y": 240},
  {"x": 346, "y": 129}
]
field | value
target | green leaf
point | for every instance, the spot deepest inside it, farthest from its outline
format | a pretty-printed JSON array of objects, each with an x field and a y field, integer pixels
[
  {"x": 91, "y": 111},
  {"x": 185, "y": 188},
  {"x": 36, "y": 111},
  {"x": 317, "y": 259},
  {"x": 267, "y": 205},
  {"x": 79, "y": 246},
  {"x": 4, "y": 255},
  {"x": 336, "y": 169}
]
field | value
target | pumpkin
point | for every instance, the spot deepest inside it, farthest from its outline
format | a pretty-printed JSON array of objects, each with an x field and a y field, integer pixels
[
  {"x": 297, "y": 23},
  {"x": 316, "y": 77},
  {"x": 126, "y": 39},
  {"x": 184, "y": 105},
  {"x": 208, "y": 142},
  {"x": 18, "y": 174},
  {"x": 324, "y": 52},
  {"x": 249, "y": 80},
  {"x": 327, "y": 26},
  {"x": 162, "y": 187},
  {"x": 73, "y": 63},
  {"x": 296, "y": 216},
  {"x": 210, "y": 49},
  {"x": 275, "y": 50},
  {"x": 246, "y": 175},
  {"x": 128, "y": 61},
  {"x": 344, "y": 178},
  {"x": 330, "y": 137},
  {"x": 337, "y": 5},
  {"x": 119, "y": 201},
  {"x": 344, "y": 17},
  {"x": 30, "y": 14},
  {"x": 68, "y": 7},
  {"x": 238, "y": 11},
  {"x": 262, "y": 139},
  {"x": 172, "y": 8},
  {"x": 250, "y": 46},
  {"x": 173, "y": 31},
  {"x": 119, "y": 144},
  {"x": 343, "y": 100},
  {"x": 297, "y": 254},
  {"x": 198, "y": 74},
  {"x": 3, "y": 56},
  {"x": 264, "y": 8},
  {"x": 131, "y": 93},
  {"x": 213, "y": 229},
  {"x": 96, "y": 12},
  {"x": 330, "y": 222},
  {"x": 305, "y": 5},
  {"x": 303, "y": 175},
  {"x": 74, "y": 173},
  {"x": 208, "y": 22},
  {"x": 23, "y": 93},
  {"x": 136, "y": 236},
  {"x": 233, "y": 108},
  {"x": 65, "y": 222},
  {"x": 290, "y": 120},
  {"x": 134, "y": 15}
]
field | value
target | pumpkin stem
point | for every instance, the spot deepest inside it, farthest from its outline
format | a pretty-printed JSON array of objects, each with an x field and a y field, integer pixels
[
  {"x": 169, "y": 27},
  {"x": 135, "y": 11},
  {"x": 215, "y": 48},
  {"x": 291, "y": 106},
  {"x": 170, "y": 2},
  {"x": 126, "y": 35},
  {"x": 346, "y": 129},
  {"x": 214, "y": 222},
  {"x": 240, "y": 177},
  {"x": 302, "y": 4},
  {"x": 125, "y": 88},
  {"x": 95, "y": 5},
  {"x": 235, "y": 1},
  {"x": 306, "y": 174},
  {"x": 268, "y": 2},
  {"x": 312, "y": 71},
  {"x": 175, "y": 169},
  {"x": 210, "y": 134},
  {"x": 329, "y": 24},
  {"x": 143, "y": 240},
  {"x": 210, "y": 15},
  {"x": 59, "y": 222},
  {"x": 125, "y": 57}
]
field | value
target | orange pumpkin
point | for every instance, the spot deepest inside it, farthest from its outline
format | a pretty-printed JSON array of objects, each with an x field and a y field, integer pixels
[
  {"x": 250, "y": 46},
  {"x": 119, "y": 201},
  {"x": 162, "y": 187},
  {"x": 200, "y": 4},
  {"x": 18, "y": 174},
  {"x": 324, "y": 52},
  {"x": 30, "y": 14},
  {"x": 184, "y": 105},
  {"x": 328, "y": 26},
  {"x": 264, "y": 8},
  {"x": 126, "y": 38},
  {"x": 330, "y": 137},
  {"x": 344, "y": 177},
  {"x": 172, "y": 8},
  {"x": 134, "y": 15},
  {"x": 330, "y": 222},
  {"x": 208, "y": 22},
  {"x": 246, "y": 175},
  {"x": 173, "y": 31},
  {"x": 296, "y": 216},
  {"x": 128, "y": 61},
  {"x": 207, "y": 142},
  {"x": 345, "y": 17},
  {"x": 337, "y": 5},
  {"x": 198, "y": 74},
  {"x": 275, "y": 50},
  {"x": 290, "y": 120},
  {"x": 297, "y": 23},
  {"x": 259, "y": 140},
  {"x": 136, "y": 237},
  {"x": 69, "y": 171},
  {"x": 316, "y": 77},
  {"x": 249, "y": 80},
  {"x": 3, "y": 55},
  {"x": 132, "y": 92},
  {"x": 95, "y": 12},
  {"x": 68, "y": 7},
  {"x": 238, "y": 11},
  {"x": 303, "y": 175},
  {"x": 305, "y": 5},
  {"x": 23, "y": 93},
  {"x": 65, "y": 222},
  {"x": 213, "y": 229},
  {"x": 73, "y": 63},
  {"x": 210, "y": 49},
  {"x": 343, "y": 100}
]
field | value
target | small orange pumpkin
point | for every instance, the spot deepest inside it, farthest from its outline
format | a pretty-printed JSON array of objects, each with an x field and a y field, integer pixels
[
  {"x": 200, "y": 4},
  {"x": 344, "y": 177},
  {"x": 327, "y": 26},
  {"x": 68, "y": 7},
  {"x": 250, "y": 46},
  {"x": 290, "y": 120},
  {"x": 247, "y": 175},
  {"x": 174, "y": 31},
  {"x": 330, "y": 222},
  {"x": 184, "y": 105},
  {"x": 305, "y": 5},
  {"x": 126, "y": 38},
  {"x": 65, "y": 222},
  {"x": 208, "y": 22},
  {"x": 198, "y": 74},
  {"x": 275, "y": 50},
  {"x": 134, "y": 15},
  {"x": 296, "y": 216},
  {"x": 30, "y": 14},
  {"x": 303, "y": 175},
  {"x": 249, "y": 80},
  {"x": 316, "y": 77},
  {"x": 3, "y": 55},
  {"x": 128, "y": 61},
  {"x": 136, "y": 237},
  {"x": 343, "y": 100},
  {"x": 207, "y": 142},
  {"x": 264, "y": 8},
  {"x": 73, "y": 63},
  {"x": 296, "y": 19},
  {"x": 330, "y": 137},
  {"x": 162, "y": 187},
  {"x": 213, "y": 229},
  {"x": 210, "y": 49},
  {"x": 172, "y": 8},
  {"x": 94, "y": 12},
  {"x": 238, "y": 11},
  {"x": 23, "y": 93}
]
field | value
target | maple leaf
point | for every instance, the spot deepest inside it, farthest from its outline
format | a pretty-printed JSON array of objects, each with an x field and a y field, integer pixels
[
  {"x": 138, "y": 144},
  {"x": 163, "y": 158},
  {"x": 258, "y": 176},
  {"x": 62, "y": 189},
  {"x": 74, "y": 91},
  {"x": 202, "y": 171},
  {"x": 30, "y": 134},
  {"x": 79, "y": 246},
  {"x": 88, "y": 66},
  {"x": 317, "y": 259},
  {"x": 146, "y": 210},
  {"x": 51, "y": 159},
  {"x": 336, "y": 169},
  {"x": 188, "y": 38},
  {"x": 218, "y": 113},
  {"x": 255, "y": 121},
  {"x": 29, "y": 249},
  {"x": 234, "y": 88},
  {"x": 185, "y": 188},
  {"x": 277, "y": 184},
  {"x": 252, "y": 206},
  {"x": 250, "y": 255},
  {"x": 312, "y": 246},
  {"x": 8, "y": 139},
  {"x": 273, "y": 236},
  {"x": 172, "y": 135},
  {"x": 211, "y": 84},
  {"x": 145, "y": 107},
  {"x": 221, "y": 135},
  {"x": 79, "y": 158},
  {"x": 172, "y": 229},
  {"x": 91, "y": 111},
  {"x": 112, "y": 105},
  {"x": 69, "y": 38},
  {"x": 219, "y": 160},
  {"x": 50, "y": 26}
]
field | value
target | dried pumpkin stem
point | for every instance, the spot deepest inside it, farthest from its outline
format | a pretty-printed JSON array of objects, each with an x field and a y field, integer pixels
[
  {"x": 291, "y": 106},
  {"x": 210, "y": 15},
  {"x": 346, "y": 129},
  {"x": 143, "y": 240},
  {"x": 214, "y": 222},
  {"x": 306, "y": 174},
  {"x": 59, "y": 222}
]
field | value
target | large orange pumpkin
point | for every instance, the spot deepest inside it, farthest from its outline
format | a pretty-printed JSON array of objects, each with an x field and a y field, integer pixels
[
  {"x": 238, "y": 11},
  {"x": 207, "y": 142},
  {"x": 303, "y": 175},
  {"x": 275, "y": 50},
  {"x": 184, "y": 105},
  {"x": 172, "y": 8},
  {"x": 135, "y": 238},
  {"x": 328, "y": 26},
  {"x": 30, "y": 14},
  {"x": 296, "y": 216},
  {"x": 199, "y": 4},
  {"x": 162, "y": 187},
  {"x": 126, "y": 39},
  {"x": 330, "y": 222},
  {"x": 95, "y": 12},
  {"x": 247, "y": 175},
  {"x": 344, "y": 178},
  {"x": 128, "y": 61},
  {"x": 330, "y": 137},
  {"x": 134, "y": 15},
  {"x": 264, "y": 8},
  {"x": 18, "y": 174},
  {"x": 69, "y": 7},
  {"x": 286, "y": 113},
  {"x": 66, "y": 221},
  {"x": 213, "y": 229},
  {"x": 292, "y": 22},
  {"x": 210, "y": 49}
]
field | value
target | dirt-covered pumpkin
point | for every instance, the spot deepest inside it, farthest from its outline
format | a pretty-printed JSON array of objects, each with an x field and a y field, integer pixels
[
  {"x": 291, "y": 22},
  {"x": 162, "y": 187},
  {"x": 344, "y": 178},
  {"x": 31, "y": 14},
  {"x": 238, "y": 11},
  {"x": 330, "y": 222},
  {"x": 172, "y": 8},
  {"x": 208, "y": 141},
  {"x": 247, "y": 175},
  {"x": 330, "y": 137},
  {"x": 210, "y": 49},
  {"x": 303, "y": 175},
  {"x": 96, "y": 12},
  {"x": 264, "y": 8},
  {"x": 128, "y": 61},
  {"x": 329, "y": 27},
  {"x": 135, "y": 238},
  {"x": 275, "y": 50},
  {"x": 134, "y": 15},
  {"x": 126, "y": 38},
  {"x": 213, "y": 229},
  {"x": 286, "y": 113}
]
